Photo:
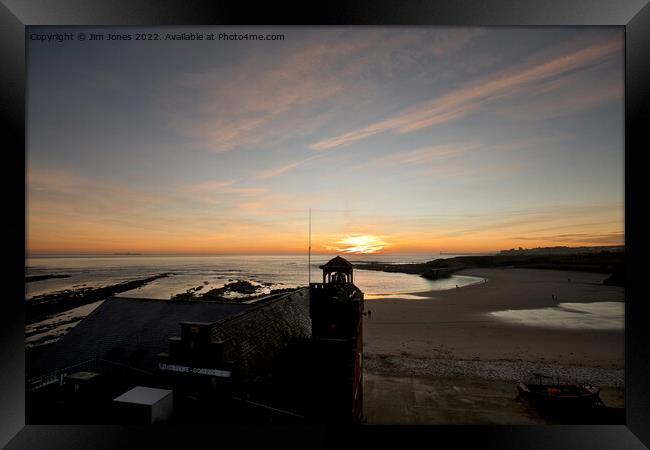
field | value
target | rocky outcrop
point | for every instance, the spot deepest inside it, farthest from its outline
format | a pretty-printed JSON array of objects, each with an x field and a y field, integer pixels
[
  {"x": 39, "y": 307},
  {"x": 440, "y": 272}
]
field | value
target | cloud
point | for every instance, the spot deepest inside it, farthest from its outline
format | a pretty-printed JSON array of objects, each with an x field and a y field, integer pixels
[
  {"x": 468, "y": 173},
  {"x": 427, "y": 161},
  {"x": 581, "y": 99},
  {"x": 542, "y": 219},
  {"x": 276, "y": 171},
  {"x": 251, "y": 206},
  {"x": 256, "y": 100},
  {"x": 613, "y": 238},
  {"x": 65, "y": 207},
  {"x": 222, "y": 187},
  {"x": 471, "y": 97},
  {"x": 428, "y": 154},
  {"x": 209, "y": 186},
  {"x": 295, "y": 89}
]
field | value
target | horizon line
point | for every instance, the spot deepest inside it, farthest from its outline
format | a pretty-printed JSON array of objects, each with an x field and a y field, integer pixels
[
  {"x": 153, "y": 253},
  {"x": 262, "y": 253}
]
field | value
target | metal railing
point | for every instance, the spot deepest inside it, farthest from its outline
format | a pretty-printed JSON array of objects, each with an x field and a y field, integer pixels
[
  {"x": 271, "y": 409},
  {"x": 33, "y": 383},
  {"x": 94, "y": 364}
]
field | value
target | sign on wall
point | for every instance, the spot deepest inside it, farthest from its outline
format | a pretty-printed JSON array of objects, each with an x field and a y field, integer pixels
[{"x": 194, "y": 370}]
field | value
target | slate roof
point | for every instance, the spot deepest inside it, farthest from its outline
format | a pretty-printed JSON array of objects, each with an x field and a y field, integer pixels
[
  {"x": 254, "y": 338},
  {"x": 337, "y": 263},
  {"x": 129, "y": 330}
]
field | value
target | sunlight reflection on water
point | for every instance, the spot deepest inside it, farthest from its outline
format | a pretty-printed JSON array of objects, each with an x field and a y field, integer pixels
[
  {"x": 394, "y": 296},
  {"x": 393, "y": 287},
  {"x": 577, "y": 316}
]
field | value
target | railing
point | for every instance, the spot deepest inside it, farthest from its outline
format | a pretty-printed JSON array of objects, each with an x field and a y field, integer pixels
[
  {"x": 95, "y": 364},
  {"x": 112, "y": 368},
  {"x": 272, "y": 409},
  {"x": 33, "y": 383},
  {"x": 332, "y": 289}
]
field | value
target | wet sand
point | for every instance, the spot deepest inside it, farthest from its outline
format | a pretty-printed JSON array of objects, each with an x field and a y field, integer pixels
[{"x": 449, "y": 339}]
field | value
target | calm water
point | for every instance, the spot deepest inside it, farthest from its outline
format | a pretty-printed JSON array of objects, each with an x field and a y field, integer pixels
[
  {"x": 576, "y": 316},
  {"x": 214, "y": 271}
]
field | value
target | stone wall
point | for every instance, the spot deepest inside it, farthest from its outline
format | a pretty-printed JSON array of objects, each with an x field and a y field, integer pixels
[{"x": 252, "y": 339}]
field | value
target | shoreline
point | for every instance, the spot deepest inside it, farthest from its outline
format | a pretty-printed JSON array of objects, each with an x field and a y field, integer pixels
[
  {"x": 605, "y": 262},
  {"x": 45, "y": 306},
  {"x": 32, "y": 278},
  {"x": 457, "y": 322},
  {"x": 441, "y": 359}
]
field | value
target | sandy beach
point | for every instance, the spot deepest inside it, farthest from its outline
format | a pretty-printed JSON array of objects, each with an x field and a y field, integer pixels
[{"x": 446, "y": 345}]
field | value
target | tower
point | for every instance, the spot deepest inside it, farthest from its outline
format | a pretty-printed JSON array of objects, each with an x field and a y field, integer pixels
[{"x": 336, "y": 307}]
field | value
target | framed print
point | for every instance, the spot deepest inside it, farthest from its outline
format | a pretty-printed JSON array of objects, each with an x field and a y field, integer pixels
[{"x": 369, "y": 225}]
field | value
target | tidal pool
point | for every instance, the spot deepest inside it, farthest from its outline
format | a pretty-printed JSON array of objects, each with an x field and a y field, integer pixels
[{"x": 576, "y": 316}]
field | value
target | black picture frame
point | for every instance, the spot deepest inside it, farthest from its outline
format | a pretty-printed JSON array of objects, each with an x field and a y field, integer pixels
[{"x": 634, "y": 15}]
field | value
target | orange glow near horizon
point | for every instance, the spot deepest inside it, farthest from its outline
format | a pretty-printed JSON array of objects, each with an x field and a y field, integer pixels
[
  {"x": 295, "y": 243},
  {"x": 358, "y": 244}
]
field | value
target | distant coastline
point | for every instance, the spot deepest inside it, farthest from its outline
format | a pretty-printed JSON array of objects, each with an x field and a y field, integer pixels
[
  {"x": 467, "y": 253},
  {"x": 562, "y": 250},
  {"x": 603, "y": 261}
]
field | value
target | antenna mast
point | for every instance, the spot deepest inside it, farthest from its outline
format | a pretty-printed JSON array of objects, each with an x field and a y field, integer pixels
[{"x": 309, "y": 252}]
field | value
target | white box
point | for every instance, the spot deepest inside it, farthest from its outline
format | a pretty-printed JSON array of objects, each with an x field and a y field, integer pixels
[{"x": 145, "y": 405}]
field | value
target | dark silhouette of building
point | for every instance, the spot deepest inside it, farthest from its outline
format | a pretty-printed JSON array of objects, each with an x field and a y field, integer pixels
[
  {"x": 290, "y": 357},
  {"x": 321, "y": 376},
  {"x": 336, "y": 309}
]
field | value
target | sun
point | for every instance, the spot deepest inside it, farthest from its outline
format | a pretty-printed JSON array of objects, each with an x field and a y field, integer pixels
[{"x": 359, "y": 243}]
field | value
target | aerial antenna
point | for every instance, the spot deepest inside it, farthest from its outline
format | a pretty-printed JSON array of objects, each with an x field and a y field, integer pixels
[{"x": 309, "y": 251}]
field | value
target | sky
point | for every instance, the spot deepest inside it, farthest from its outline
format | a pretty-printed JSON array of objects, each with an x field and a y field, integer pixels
[{"x": 399, "y": 139}]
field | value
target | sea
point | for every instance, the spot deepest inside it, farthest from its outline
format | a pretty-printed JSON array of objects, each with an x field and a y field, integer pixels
[
  {"x": 201, "y": 273},
  {"x": 204, "y": 272},
  {"x": 214, "y": 271}
]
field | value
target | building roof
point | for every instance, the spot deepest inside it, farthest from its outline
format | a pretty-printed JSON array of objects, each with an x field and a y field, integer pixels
[
  {"x": 253, "y": 339},
  {"x": 143, "y": 395},
  {"x": 337, "y": 263},
  {"x": 83, "y": 376},
  {"x": 130, "y": 331}
]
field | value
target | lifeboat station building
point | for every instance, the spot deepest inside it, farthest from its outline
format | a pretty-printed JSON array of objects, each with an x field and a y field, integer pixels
[{"x": 290, "y": 357}]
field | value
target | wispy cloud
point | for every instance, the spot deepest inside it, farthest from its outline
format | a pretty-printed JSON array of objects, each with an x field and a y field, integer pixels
[
  {"x": 281, "y": 170},
  {"x": 613, "y": 238},
  {"x": 570, "y": 100},
  {"x": 471, "y": 97},
  {"x": 209, "y": 186},
  {"x": 256, "y": 100},
  {"x": 541, "y": 219},
  {"x": 265, "y": 98},
  {"x": 428, "y": 154},
  {"x": 221, "y": 186},
  {"x": 251, "y": 206}
]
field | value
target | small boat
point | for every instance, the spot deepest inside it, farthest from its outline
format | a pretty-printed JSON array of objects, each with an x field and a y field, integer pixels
[{"x": 559, "y": 396}]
